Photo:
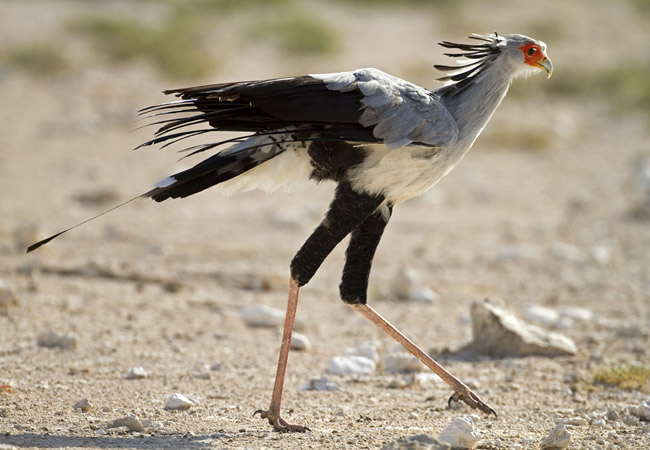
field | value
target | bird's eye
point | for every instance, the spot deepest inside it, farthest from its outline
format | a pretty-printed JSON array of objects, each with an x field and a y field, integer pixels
[{"x": 531, "y": 51}]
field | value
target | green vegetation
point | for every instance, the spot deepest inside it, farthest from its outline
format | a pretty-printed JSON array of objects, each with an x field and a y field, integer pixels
[
  {"x": 174, "y": 47},
  {"x": 297, "y": 34},
  {"x": 625, "y": 377},
  {"x": 35, "y": 59}
]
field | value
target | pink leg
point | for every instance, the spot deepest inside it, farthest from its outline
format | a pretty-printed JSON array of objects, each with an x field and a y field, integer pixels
[
  {"x": 273, "y": 413},
  {"x": 461, "y": 391}
]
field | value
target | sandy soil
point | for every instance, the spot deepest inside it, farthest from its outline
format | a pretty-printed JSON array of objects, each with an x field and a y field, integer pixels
[{"x": 161, "y": 285}]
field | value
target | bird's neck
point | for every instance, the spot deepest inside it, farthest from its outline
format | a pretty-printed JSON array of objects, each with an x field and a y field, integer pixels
[{"x": 473, "y": 104}]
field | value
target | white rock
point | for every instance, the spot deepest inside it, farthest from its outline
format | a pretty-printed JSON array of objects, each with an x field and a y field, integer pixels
[
  {"x": 83, "y": 404},
  {"x": 129, "y": 421},
  {"x": 299, "y": 341},
  {"x": 340, "y": 365},
  {"x": 100, "y": 431},
  {"x": 136, "y": 373},
  {"x": 496, "y": 332},
  {"x": 400, "y": 361},
  {"x": 406, "y": 286},
  {"x": 8, "y": 298},
  {"x": 576, "y": 313},
  {"x": 369, "y": 350},
  {"x": 405, "y": 279},
  {"x": 262, "y": 316},
  {"x": 320, "y": 384},
  {"x": 558, "y": 438},
  {"x": 576, "y": 421},
  {"x": 423, "y": 294},
  {"x": 602, "y": 253},
  {"x": 541, "y": 315},
  {"x": 179, "y": 402},
  {"x": 460, "y": 433},
  {"x": 643, "y": 411},
  {"x": 54, "y": 339}
]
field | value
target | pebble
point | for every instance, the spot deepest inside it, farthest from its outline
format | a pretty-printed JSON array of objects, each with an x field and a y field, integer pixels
[
  {"x": 8, "y": 298},
  {"x": 576, "y": 421},
  {"x": 417, "y": 442},
  {"x": 54, "y": 339},
  {"x": 262, "y": 316},
  {"x": 320, "y": 384},
  {"x": 129, "y": 421},
  {"x": 541, "y": 315},
  {"x": 460, "y": 433},
  {"x": 340, "y": 365},
  {"x": 368, "y": 350},
  {"x": 558, "y": 438},
  {"x": 136, "y": 373},
  {"x": 83, "y": 404},
  {"x": 180, "y": 402},
  {"x": 496, "y": 332},
  {"x": 407, "y": 286},
  {"x": 300, "y": 342},
  {"x": 400, "y": 361}
]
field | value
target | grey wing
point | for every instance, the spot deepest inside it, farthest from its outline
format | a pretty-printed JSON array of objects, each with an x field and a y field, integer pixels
[{"x": 399, "y": 112}]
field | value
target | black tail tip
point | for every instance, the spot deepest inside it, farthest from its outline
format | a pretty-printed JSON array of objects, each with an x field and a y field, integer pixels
[{"x": 38, "y": 244}]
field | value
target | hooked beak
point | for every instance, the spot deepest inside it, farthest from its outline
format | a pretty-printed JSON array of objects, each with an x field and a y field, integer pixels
[{"x": 547, "y": 65}]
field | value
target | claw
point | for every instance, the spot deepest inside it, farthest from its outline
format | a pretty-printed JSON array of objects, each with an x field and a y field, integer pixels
[
  {"x": 278, "y": 423},
  {"x": 473, "y": 401}
]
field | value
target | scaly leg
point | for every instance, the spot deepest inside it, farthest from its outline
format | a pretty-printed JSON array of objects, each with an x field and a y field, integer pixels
[
  {"x": 273, "y": 413},
  {"x": 347, "y": 211},
  {"x": 461, "y": 391}
]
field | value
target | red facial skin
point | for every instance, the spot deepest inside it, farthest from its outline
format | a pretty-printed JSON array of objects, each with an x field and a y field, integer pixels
[{"x": 533, "y": 54}]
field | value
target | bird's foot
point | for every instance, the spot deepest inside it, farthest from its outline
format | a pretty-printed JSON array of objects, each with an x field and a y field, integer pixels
[
  {"x": 278, "y": 423},
  {"x": 472, "y": 400}
]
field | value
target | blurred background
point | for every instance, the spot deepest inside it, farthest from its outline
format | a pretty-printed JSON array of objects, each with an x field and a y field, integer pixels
[{"x": 550, "y": 208}]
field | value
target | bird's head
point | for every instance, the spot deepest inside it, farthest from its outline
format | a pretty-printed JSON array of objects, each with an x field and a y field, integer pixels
[
  {"x": 517, "y": 54},
  {"x": 528, "y": 55}
]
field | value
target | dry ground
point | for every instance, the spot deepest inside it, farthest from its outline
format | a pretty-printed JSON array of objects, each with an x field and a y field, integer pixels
[{"x": 160, "y": 285}]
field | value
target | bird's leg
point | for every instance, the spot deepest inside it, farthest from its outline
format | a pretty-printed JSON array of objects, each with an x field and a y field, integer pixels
[
  {"x": 273, "y": 413},
  {"x": 461, "y": 391},
  {"x": 359, "y": 255},
  {"x": 346, "y": 212}
]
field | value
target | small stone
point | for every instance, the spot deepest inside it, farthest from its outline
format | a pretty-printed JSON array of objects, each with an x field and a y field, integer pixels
[
  {"x": 262, "y": 316},
  {"x": 541, "y": 315},
  {"x": 136, "y": 373},
  {"x": 369, "y": 350},
  {"x": 54, "y": 339},
  {"x": 320, "y": 384},
  {"x": 406, "y": 286},
  {"x": 83, "y": 404},
  {"x": 179, "y": 402},
  {"x": 300, "y": 342},
  {"x": 215, "y": 366},
  {"x": 576, "y": 313},
  {"x": 417, "y": 442},
  {"x": 460, "y": 433},
  {"x": 641, "y": 411},
  {"x": 202, "y": 375},
  {"x": 576, "y": 421},
  {"x": 400, "y": 361},
  {"x": 496, "y": 332},
  {"x": 558, "y": 438},
  {"x": 340, "y": 365},
  {"x": 8, "y": 298},
  {"x": 100, "y": 431},
  {"x": 423, "y": 294},
  {"x": 129, "y": 421}
]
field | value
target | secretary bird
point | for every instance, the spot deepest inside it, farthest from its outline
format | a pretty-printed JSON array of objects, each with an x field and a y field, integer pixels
[{"x": 381, "y": 139}]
